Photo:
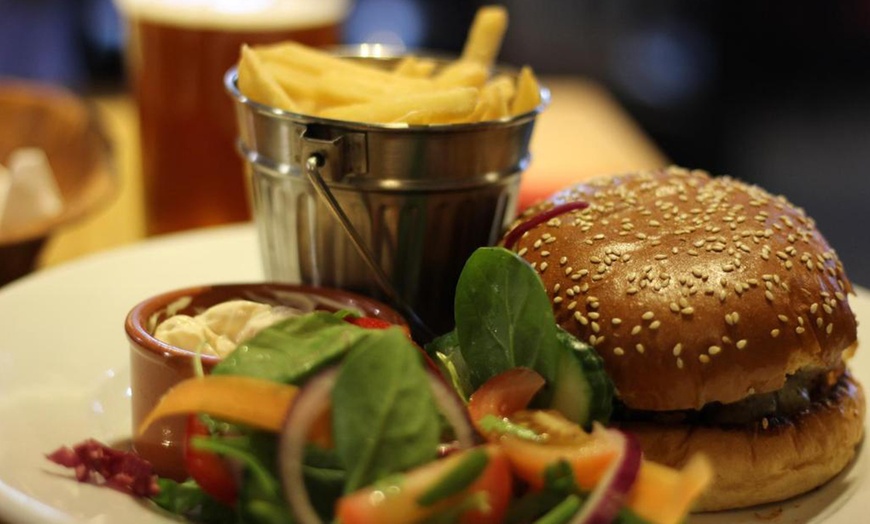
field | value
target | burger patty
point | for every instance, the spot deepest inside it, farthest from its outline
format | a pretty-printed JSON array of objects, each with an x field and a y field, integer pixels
[{"x": 801, "y": 392}]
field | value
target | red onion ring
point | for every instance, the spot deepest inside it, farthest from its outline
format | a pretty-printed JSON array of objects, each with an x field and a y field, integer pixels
[
  {"x": 517, "y": 232},
  {"x": 453, "y": 409},
  {"x": 607, "y": 498},
  {"x": 312, "y": 401}
]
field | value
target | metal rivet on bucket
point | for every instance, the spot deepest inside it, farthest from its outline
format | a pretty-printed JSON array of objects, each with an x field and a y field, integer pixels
[{"x": 391, "y": 211}]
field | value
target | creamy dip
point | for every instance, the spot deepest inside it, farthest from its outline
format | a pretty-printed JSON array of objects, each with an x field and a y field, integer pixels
[{"x": 220, "y": 328}]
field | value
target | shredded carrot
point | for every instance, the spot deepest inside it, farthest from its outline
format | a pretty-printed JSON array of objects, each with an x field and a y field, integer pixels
[{"x": 254, "y": 402}]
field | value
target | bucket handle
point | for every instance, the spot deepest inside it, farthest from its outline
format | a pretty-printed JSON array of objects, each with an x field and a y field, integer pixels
[{"x": 313, "y": 165}]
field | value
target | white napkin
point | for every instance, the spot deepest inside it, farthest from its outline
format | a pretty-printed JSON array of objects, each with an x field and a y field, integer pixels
[{"x": 28, "y": 190}]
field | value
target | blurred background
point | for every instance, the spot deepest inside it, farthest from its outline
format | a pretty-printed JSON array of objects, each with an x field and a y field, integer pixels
[{"x": 772, "y": 92}]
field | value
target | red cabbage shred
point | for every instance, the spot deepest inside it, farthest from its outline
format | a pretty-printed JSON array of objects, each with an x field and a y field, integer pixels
[{"x": 97, "y": 463}]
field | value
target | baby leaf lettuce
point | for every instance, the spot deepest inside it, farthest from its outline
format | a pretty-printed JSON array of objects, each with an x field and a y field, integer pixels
[
  {"x": 384, "y": 416},
  {"x": 503, "y": 317},
  {"x": 293, "y": 349}
]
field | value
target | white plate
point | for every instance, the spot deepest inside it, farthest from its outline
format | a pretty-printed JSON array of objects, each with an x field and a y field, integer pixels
[{"x": 64, "y": 377}]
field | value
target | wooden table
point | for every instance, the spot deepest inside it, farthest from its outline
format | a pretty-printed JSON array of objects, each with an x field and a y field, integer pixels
[{"x": 583, "y": 133}]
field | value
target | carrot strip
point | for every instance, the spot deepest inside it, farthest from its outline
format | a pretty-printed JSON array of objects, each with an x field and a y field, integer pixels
[{"x": 254, "y": 402}]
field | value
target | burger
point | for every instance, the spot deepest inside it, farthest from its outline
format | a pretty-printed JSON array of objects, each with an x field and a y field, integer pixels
[{"x": 721, "y": 315}]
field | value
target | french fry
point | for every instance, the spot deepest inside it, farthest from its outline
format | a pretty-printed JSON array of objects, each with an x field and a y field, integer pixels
[
  {"x": 299, "y": 86},
  {"x": 258, "y": 84},
  {"x": 485, "y": 36},
  {"x": 528, "y": 95},
  {"x": 318, "y": 62},
  {"x": 442, "y": 106},
  {"x": 414, "y": 67},
  {"x": 505, "y": 84},
  {"x": 461, "y": 73},
  {"x": 413, "y": 90}
]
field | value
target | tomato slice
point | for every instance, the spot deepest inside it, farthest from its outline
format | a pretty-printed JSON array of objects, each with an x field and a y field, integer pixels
[
  {"x": 397, "y": 500},
  {"x": 503, "y": 395},
  {"x": 369, "y": 322},
  {"x": 660, "y": 495},
  {"x": 210, "y": 471}
]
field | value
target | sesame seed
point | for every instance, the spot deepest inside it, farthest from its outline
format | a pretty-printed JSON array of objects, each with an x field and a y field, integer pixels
[
  {"x": 774, "y": 333},
  {"x": 544, "y": 266},
  {"x": 830, "y": 328},
  {"x": 679, "y": 363},
  {"x": 799, "y": 330},
  {"x": 714, "y": 350},
  {"x": 639, "y": 348},
  {"x": 595, "y": 327},
  {"x": 675, "y": 307},
  {"x": 687, "y": 311},
  {"x": 648, "y": 315},
  {"x": 593, "y": 315},
  {"x": 704, "y": 359},
  {"x": 572, "y": 305},
  {"x": 678, "y": 349},
  {"x": 768, "y": 295},
  {"x": 523, "y": 251},
  {"x": 741, "y": 344},
  {"x": 655, "y": 324},
  {"x": 616, "y": 321},
  {"x": 814, "y": 308},
  {"x": 618, "y": 351},
  {"x": 557, "y": 300},
  {"x": 636, "y": 329},
  {"x": 782, "y": 318}
]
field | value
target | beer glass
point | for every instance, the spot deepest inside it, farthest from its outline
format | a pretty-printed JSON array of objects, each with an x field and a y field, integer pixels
[{"x": 177, "y": 53}]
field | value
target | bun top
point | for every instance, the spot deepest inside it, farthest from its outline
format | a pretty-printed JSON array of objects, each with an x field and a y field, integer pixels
[{"x": 692, "y": 288}]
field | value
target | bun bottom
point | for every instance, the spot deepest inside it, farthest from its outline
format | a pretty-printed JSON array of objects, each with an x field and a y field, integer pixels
[{"x": 754, "y": 465}]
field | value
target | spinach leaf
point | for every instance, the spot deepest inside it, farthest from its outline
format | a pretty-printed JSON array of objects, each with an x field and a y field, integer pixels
[
  {"x": 293, "y": 349},
  {"x": 324, "y": 479},
  {"x": 384, "y": 417},
  {"x": 504, "y": 318},
  {"x": 189, "y": 500}
]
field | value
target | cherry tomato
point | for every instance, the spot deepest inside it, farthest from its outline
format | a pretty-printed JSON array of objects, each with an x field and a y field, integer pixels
[
  {"x": 210, "y": 471},
  {"x": 369, "y": 322},
  {"x": 503, "y": 395}
]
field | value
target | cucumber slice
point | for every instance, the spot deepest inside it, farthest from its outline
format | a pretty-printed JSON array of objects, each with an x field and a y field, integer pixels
[{"x": 582, "y": 392}]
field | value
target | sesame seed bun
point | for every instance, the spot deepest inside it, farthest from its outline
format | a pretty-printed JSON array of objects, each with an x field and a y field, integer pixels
[
  {"x": 692, "y": 288},
  {"x": 756, "y": 465},
  {"x": 697, "y": 290}
]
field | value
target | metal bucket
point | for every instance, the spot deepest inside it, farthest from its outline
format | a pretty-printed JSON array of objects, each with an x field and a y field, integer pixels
[{"x": 390, "y": 211}]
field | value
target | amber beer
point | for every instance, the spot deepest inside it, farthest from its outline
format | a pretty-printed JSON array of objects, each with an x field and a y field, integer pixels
[{"x": 177, "y": 55}]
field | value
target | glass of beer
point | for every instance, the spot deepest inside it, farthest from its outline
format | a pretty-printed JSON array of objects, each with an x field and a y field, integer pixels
[{"x": 177, "y": 53}]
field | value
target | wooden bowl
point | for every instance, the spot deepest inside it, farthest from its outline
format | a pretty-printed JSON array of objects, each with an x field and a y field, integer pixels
[{"x": 61, "y": 124}]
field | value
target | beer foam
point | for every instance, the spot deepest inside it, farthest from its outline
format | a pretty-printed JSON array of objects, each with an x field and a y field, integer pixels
[{"x": 238, "y": 14}]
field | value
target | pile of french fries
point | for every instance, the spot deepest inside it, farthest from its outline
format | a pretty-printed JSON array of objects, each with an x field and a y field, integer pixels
[{"x": 415, "y": 91}]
